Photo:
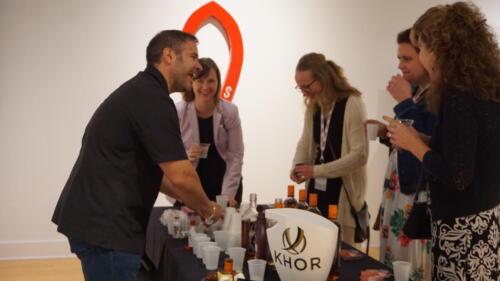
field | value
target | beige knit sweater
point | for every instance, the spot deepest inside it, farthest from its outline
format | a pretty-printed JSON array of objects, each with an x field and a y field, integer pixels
[{"x": 351, "y": 166}]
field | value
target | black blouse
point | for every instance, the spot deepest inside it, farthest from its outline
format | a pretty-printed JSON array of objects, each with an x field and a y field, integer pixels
[
  {"x": 211, "y": 169},
  {"x": 463, "y": 167}
]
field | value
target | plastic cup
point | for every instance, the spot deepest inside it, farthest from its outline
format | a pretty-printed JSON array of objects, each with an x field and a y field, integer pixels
[
  {"x": 191, "y": 239},
  {"x": 202, "y": 249},
  {"x": 401, "y": 270},
  {"x": 211, "y": 257},
  {"x": 233, "y": 240},
  {"x": 199, "y": 251},
  {"x": 227, "y": 217},
  {"x": 220, "y": 237},
  {"x": 221, "y": 200},
  {"x": 238, "y": 256},
  {"x": 204, "y": 150},
  {"x": 257, "y": 269},
  {"x": 406, "y": 122},
  {"x": 197, "y": 240},
  {"x": 372, "y": 131}
]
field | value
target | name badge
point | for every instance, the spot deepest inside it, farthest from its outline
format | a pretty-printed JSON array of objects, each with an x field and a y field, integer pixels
[{"x": 320, "y": 184}]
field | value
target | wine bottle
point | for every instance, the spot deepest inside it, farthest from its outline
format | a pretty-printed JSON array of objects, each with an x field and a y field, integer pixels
[
  {"x": 302, "y": 200},
  {"x": 334, "y": 274},
  {"x": 313, "y": 204},
  {"x": 290, "y": 201},
  {"x": 248, "y": 224}
]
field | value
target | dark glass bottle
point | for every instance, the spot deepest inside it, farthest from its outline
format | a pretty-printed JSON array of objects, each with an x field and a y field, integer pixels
[
  {"x": 290, "y": 201},
  {"x": 302, "y": 200},
  {"x": 248, "y": 224},
  {"x": 261, "y": 246},
  {"x": 334, "y": 274},
  {"x": 313, "y": 204}
]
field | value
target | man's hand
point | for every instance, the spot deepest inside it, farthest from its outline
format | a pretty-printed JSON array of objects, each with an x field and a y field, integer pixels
[{"x": 181, "y": 181}]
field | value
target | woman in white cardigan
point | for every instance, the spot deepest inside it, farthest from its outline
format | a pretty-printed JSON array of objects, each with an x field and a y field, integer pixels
[
  {"x": 205, "y": 118},
  {"x": 332, "y": 152}
]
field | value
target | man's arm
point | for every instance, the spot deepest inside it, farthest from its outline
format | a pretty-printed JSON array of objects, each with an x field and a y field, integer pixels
[{"x": 181, "y": 182}]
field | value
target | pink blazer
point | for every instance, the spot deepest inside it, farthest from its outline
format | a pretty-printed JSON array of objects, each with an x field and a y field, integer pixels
[{"x": 228, "y": 139}]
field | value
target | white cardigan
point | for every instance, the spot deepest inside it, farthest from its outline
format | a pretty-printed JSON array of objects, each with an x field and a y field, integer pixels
[{"x": 351, "y": 165}]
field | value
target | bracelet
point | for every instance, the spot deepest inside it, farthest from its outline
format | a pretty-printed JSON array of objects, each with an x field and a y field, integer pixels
[{"x": 210, "y": 220}]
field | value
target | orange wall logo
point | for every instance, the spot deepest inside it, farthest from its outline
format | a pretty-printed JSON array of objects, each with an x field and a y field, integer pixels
[{"x": 213, "y": 10}]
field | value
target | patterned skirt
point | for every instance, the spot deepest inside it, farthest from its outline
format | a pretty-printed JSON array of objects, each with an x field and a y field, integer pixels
[
  {"x": 394, "y": 244},
  {"x": 467, "y": 248}
]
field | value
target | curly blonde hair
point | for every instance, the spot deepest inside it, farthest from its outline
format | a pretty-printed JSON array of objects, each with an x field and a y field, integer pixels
[
  {"x": 330, "y": 75},
  {"x": 466, "y": 50}
]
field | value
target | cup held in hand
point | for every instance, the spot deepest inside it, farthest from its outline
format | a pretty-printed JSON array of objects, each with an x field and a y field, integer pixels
[
  {"x": 204, "y": 150},
  {"x": 372, "y": 131}
]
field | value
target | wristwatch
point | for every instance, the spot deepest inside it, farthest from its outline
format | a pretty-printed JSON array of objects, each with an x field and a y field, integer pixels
[{"x": 210, "y": 220}]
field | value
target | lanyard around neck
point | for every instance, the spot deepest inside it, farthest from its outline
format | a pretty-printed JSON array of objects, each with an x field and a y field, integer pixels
[{"x": 325, "y": 125}]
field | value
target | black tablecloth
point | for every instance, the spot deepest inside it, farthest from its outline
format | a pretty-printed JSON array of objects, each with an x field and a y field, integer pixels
[{"x": 174, "y": 263}]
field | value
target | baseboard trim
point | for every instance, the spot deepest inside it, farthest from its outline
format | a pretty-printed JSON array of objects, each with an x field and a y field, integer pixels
[{"x": 16, "y": 250}]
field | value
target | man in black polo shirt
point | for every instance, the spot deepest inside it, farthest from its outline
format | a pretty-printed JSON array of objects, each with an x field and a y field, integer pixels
[{"x": 131, "y": 147}]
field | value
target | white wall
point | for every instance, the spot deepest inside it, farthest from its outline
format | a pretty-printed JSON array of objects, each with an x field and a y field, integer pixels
[{"x": 60, "y": 58}]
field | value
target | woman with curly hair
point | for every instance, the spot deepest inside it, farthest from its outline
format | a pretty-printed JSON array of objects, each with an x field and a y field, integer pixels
[{"x": 462, "y": 163}]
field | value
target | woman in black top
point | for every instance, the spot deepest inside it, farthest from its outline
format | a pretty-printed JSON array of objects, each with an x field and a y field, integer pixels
[
  {"x": 462, "y": 163},
  {"x": 205, "y": 118}
]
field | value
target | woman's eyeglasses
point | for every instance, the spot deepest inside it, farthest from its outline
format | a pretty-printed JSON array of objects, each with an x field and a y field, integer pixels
[{"x": 305, "y": 88}]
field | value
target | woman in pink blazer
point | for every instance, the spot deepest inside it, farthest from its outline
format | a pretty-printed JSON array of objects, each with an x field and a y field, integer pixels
[{"x": 205, "y": 118}]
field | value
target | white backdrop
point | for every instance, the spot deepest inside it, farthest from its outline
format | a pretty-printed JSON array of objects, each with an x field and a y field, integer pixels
[{"x": 60, "y": 58}]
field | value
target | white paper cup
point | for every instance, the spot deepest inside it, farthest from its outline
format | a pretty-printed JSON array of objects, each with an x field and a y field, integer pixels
[
  {"x": 221, "y": 200},
  {"x": 204, "y": 150},
  {"x": 372, "y": 131},
  {"x": 227, "y": 217},
  {"x": 220, "y": 237},
  {"x": 200, "y": 245},
  {"x": 401, "y": 270},
  {"x": 233, "y": 240},
  {"x": 256, "y": 269},
  {"x": 191, "y": 238},
  {"x": 238, "y": 256},
  {"x": 211, "y": 257},
  {"x": 203, "y": 245},
  {"x": 196, "y": 241}
]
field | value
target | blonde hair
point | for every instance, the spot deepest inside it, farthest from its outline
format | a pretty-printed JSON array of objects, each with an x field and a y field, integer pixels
[
  {"x": 467, "y": 54},
  {"x": 330, "y": 75}
]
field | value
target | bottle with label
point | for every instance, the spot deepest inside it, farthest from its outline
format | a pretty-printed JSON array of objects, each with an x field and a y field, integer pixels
[
  {"x": 313, "y": 204},
  {"x": 334, "y": 274},
  {"x": 248, "y": 224},
  {"x": 278, "y": 203},
  {"x": 302, "y": 200},
  {"x": 226, "y": 274},
  {"x": 290, "y": 201}
]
